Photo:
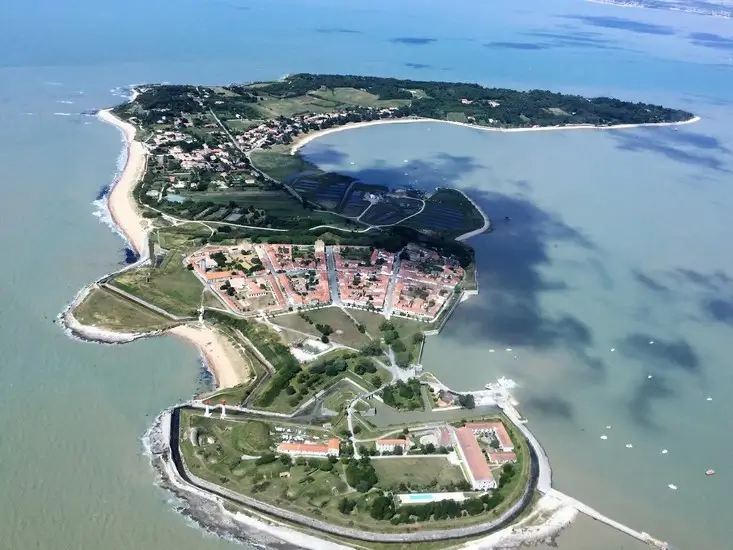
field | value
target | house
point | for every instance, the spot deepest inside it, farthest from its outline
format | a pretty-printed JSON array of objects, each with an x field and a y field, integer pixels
[
  {"x": 389, "y": 445},
  {"x": 493, "y": 428},
  {"x": 502, "y": 458},
  {"x": 310, "y": 448},
  {"x": 478, "y": 470}
]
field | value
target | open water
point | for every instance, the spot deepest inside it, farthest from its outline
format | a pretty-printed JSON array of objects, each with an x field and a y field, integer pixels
[{"x": 616, "y": 239}]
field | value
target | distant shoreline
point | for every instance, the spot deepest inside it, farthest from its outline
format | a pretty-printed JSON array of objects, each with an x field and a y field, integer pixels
[{"x": 307, "y": 138}]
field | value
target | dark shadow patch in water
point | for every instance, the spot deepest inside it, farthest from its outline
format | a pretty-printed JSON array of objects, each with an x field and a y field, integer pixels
[
  {"x": 517, "y": 45},
  {"x": 714, "y": 282},
  {"x": 103, "y": 192},
  {"x": 661, "y": 354},
  {"x": 413, "y": 40},
  {"x": 649, "y": 282},
  {"x": 668, "y": 144},
  {"x": 720, "y": 310},
  {"x": 711, "y": 40},
  {"x": 622, "y": 24},
  {"x": 419, "y": 66},
  {"x": 641, "y": 400},
  {"x": 325, "y": 154},
  {"x": 575, "y": 38},
  {"x": 552, "y": 406},
  {"x": 337, "y": 30},
  {"x": 131, "y": 256},
  {"x": 510, "y": 263}
]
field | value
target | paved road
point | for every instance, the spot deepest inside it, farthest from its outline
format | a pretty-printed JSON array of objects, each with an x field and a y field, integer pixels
[
  {"x": 333, "y": 284},
  {"x": 390, "y": 288}
]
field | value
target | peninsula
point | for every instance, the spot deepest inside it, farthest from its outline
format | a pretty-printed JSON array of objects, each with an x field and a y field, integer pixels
[{"x": 309, "y": 295}]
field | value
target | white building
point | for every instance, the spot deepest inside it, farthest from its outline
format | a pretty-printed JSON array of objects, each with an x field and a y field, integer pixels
[{"x": 389, "y": 445}]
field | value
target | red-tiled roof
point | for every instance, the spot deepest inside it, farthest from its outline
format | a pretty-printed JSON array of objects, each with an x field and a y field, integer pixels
[
  {"x": 500, "y": 458},
  {"x": 474, "y": 457}
]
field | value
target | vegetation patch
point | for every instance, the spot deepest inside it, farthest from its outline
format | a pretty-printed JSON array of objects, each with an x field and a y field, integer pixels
[
  {"x": 169, "y": 286},
  {"x": 105, "y": 309}
]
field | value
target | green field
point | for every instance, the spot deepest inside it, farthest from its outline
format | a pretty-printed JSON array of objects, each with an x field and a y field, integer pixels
[
  {"x": 356, "y": 97},
  {"x": 416, "y": 472},
  {"x": 345, "y": 331},
  {"x": 279, "y": 164},
  {"x": 249, "y": 437},
  {"x": 170, "y": 286},
  {"x": 104, "y": 309}
]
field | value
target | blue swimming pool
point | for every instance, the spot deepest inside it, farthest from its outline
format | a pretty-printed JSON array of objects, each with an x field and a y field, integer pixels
[{"x": 420, "y": 497}]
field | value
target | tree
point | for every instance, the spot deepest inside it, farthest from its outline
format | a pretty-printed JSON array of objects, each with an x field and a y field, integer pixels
[
  {"x": 376, "y": 381},
  {"x": 466, "y": 400},
  {"x": 429, "y": 448},
  {"x": 325, "y": 339},
  {"x": 346, "y": 505}
]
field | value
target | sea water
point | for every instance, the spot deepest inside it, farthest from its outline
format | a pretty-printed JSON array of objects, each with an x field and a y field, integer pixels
[{"x": 615, "y": 240}]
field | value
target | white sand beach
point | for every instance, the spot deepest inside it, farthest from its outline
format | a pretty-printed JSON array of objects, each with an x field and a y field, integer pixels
[
  {"x": 227, "y": 365},
  {"x": 307, "y": 138},
  {"x": 121, "y": 203}
]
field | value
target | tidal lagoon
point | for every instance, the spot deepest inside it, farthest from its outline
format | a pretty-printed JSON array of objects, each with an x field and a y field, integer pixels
[{"x": 616, "y": 239}]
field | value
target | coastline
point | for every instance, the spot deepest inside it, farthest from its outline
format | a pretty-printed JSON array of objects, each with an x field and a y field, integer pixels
[
  {"x": 307, "y": 138},
  {"x": 546, "y": 520},
  {"x": 227, "y": 366},
  {"x": 120, "y": 201}
]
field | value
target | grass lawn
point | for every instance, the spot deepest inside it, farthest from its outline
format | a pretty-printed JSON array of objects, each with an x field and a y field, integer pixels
[
  {"x": 170, "y": 286},
  {"x": 454, "y": 116},
  {"x": 369, "y": 319},
  {"x": 236, "y": 437},
  {"x": 340, "y": 396},
  {"x": 345, "y": 331},
  {"x": 210, "y": 300},
  {"x": 279, "y": 164},
  {"x": 105, "y": 309},
  {"x": 416, "y": 471}
]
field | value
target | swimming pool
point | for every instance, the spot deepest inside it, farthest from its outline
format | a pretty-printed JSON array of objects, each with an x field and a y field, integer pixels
[{"x": 424, "y": 497}]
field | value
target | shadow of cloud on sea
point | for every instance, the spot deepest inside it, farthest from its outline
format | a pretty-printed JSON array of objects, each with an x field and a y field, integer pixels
[
  {"x": 510, "y": 261},
  {"x": 552, "y": 406},
  {"x": 682, "y": 146},
  {"x": 623, "y": 24}
]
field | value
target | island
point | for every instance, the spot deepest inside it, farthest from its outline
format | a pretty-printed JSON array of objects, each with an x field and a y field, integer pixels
[{"x": 309, "y": 295}]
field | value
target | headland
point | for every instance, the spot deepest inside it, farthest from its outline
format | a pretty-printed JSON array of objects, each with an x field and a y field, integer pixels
[{"x": 309, "y": 295}]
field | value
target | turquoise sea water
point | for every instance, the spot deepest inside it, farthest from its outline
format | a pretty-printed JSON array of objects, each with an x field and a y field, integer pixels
[{"x": 616, "y": 239}]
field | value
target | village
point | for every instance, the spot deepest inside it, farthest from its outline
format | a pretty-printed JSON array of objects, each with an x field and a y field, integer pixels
[
  {"x": 186, "y": 143},
  {"x": 271, "y": 279}
]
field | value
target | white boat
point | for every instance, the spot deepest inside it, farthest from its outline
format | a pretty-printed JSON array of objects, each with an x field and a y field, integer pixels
[{"x": 672, "y": 486}]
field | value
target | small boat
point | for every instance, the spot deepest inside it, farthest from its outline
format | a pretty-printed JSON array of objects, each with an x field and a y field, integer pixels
[
  {"x": 672, "y": 486},
  {"x": 709, "y": 472}
]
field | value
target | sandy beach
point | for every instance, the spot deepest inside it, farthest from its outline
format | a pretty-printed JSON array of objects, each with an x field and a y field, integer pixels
[
  {"x": 121, "y": 203},
  {"x": 227, "y": 365},
  {"x": 307, "y": 138}
]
